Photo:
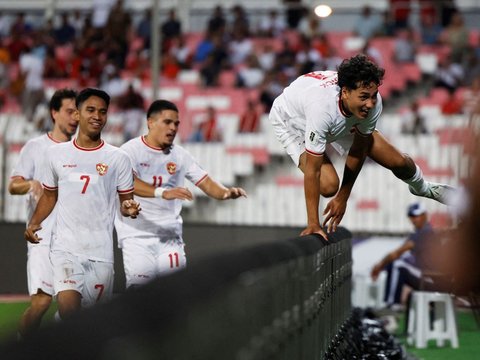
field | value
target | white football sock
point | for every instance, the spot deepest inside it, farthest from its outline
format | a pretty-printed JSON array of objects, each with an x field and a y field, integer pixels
[{"x": 417, "y": 182}]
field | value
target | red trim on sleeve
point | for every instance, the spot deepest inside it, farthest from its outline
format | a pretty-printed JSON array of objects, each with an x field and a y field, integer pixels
[
  {"x": 50, "y": 187},
  {"x": 199, "y": 181},
  {"x": 313, "y": 153},
  {"x": 87, "y": 149},
  {"x": 125, "y": 191}
]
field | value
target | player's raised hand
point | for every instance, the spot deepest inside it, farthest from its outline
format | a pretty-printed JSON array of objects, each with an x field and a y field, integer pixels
[
  {"x": 130, "y": 208},
  {"x": 234, "y": 193},
  {"x": 314, "y": 229},
  {"x": 30, "y": 233},
  {"x": 180, "y": 193},
  {"x": 334, "y": 212}
]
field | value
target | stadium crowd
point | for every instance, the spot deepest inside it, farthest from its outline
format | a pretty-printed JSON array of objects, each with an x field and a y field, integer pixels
[{"x": 110, "y": 49}]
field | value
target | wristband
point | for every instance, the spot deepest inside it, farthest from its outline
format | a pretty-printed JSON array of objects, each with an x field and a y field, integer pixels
[{"x": 159, "y": 192}]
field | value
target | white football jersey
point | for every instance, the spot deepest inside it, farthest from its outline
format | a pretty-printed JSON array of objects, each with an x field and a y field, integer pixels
[
  {"x": 168, "y": 169},
  {"x": 30, "y": 166},
  {"x": 309, "y": 109},
  {"x": 88, "y": 182}
]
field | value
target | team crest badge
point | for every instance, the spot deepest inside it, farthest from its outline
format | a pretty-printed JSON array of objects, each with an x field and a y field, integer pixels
[
  {"x": 171, "y": 168},
  {"x": 102, "y": 169}
]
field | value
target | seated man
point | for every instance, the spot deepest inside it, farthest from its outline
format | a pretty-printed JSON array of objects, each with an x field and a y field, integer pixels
[{"x": 405, "y": 264}]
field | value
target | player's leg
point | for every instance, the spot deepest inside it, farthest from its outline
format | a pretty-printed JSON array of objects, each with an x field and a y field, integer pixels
[
  {"x": 329, "y": 181},
  {"x": 139, "y": 260},
  {"x": 171, "y": 257},
  {"x": 40, "y": 288},
  {"x": 403, "y": 167},
  {"x": 68, "y": 282}
]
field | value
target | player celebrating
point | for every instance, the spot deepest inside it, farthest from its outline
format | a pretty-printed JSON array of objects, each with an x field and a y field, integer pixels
[
  {"x": 153, "y": 243},
  {"x": 83, "y": 177},
  {"x": 25, "y": 180},
  {"x": 342, "y": 109}
]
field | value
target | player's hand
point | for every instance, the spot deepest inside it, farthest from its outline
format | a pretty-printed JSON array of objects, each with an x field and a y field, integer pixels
[
  {"x": 314, "y": 229},
  {"x": 130, "y": 208},
  {"x": 375, "y": 272},
  {"x": 36, "y": 189},
  {"x": 234, "y": 193},
  {"x": 180, "y": 193},
  {"x": 30, "y": 233},
  {"x": 333, "y": 213}
]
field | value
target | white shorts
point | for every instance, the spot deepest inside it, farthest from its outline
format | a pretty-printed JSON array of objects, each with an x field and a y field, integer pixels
[
  {"x": 145, "y": 258},
  {"x": 92, "y": 279},
  {"x": 39, "y": 270}
]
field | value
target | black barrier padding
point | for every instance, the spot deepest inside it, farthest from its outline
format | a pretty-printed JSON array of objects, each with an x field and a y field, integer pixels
[
  {"x": 152, "y": 309},
  {"x": 310, "y": 244},
  {"x": 340, "y": 234}
]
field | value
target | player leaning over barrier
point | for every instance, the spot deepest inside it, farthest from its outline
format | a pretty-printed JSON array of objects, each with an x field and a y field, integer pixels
[
  {"x": 25, "y": 180},
  {"x": 152, "y": 244},
  {"x": 342, "y": 109},
  {"x": 83, "y": 178}
]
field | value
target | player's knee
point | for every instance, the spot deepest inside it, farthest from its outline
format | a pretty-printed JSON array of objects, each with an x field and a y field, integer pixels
[
  {"x": 40, "y": 304},
  {"x": 329, "y": 188}
]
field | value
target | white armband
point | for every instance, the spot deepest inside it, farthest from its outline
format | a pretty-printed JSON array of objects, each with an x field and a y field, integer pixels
[{"x": 159, "y": 192}]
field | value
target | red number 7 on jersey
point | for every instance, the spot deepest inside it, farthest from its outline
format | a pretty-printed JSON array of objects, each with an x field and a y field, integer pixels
[{"x": 87, "y": 181}]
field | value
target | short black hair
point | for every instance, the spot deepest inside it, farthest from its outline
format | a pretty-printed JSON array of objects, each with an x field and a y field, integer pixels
[
  {"x": 159, "y": 106},
  {"x": 359, "y": 70},
  {"x": 89, "y": 92},
  {"x": 58, "y": 96}
]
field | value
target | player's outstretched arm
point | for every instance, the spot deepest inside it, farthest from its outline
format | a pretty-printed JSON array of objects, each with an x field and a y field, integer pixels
[
  {"x": 144, "y": 189},
  {"x": 336, "y": 207},
  {"x": 128, "y": 206},
  {"x": 44, "y": 208},
  {"x": 217, "y": 191}
]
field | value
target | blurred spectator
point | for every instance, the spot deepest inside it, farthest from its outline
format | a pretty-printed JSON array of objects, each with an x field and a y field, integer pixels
[
  {"x": 453, "y": 105},
  {"x": 449, "y": 75},
  {"x": 171, "y": 28},
  {"x": 275, "y": 82},
  {"x": 387, "y": 26},
  {"x": 144, "y": 28},
  {"x": 206, "y": 127},
  {"x": 65, "y": 33},
  {"x": 240, "y": 47},
  {"x": 4, "y": 24},
  {"x": 100, "y": 12},
  {"x": 239, "y": 23},
  {"x": 266, "y": 58},
  {"x": 471, "y": 98},
  {"x": 132, "y": 105},
  {"x": 307, "y": 58},
  {"x": 77, "y": 20},
  {"x": 471, "y": 65},
  {"x": 373, "y": 53},
  {"x": 250, "y": 119},
  {"x": 54, "y": 68},
  {"x": 181, "y": 52},
  {"x": 405, "y": 46},
  {"x": 170, "y": 66},
  {"x": 111, "y": 82},
  {"x": 216, "y": 61},
  {"x": 205, "y": 47},
  {"x": 20, "y": 26},
  {"x": 117, "y": 30},
  {"x": 447, "y": 10},
  {"x": 4, "y": 66},
  {"x": 401, "y": 13},
  {"x": 217, "y": 23},
  {"x": 368, "y": 25},
  {"x": 430, "y": 30},
  {"x": 310, "y": 25},
  {"x": 251, "y": 74},
  {"x": 413, "y": 122},
  {"x": 31, "y": 69},
  {"x": 294, "y": 12},
  {"x": 285, "y": 60},
  {"x": 456, "y": 36},
  {"x": 271, "y": 25}
]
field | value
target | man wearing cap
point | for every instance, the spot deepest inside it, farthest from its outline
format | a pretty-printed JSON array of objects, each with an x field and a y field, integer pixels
[{"x": 404, "y": 265}]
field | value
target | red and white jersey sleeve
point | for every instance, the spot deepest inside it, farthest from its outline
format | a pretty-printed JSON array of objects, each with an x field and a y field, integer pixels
[
  {"x": 88, "y": 182},
  {"x": 311, "y": 106},
  {"x": 160, "y": 168},
  {"x": 30, "y": 166}
]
